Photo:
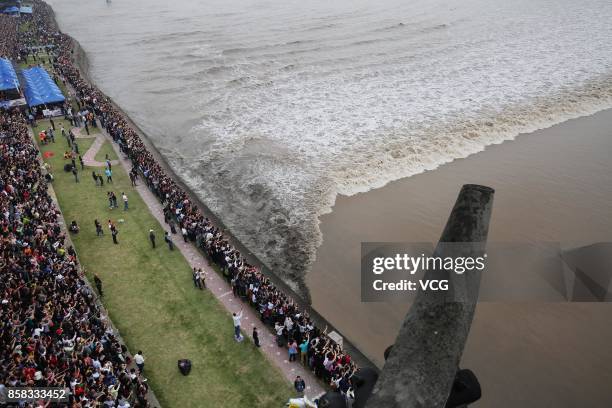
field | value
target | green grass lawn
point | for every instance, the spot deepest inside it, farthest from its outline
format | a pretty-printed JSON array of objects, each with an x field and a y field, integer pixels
[
  {"x": 106, "y": 149},
  {"x": 93, "y": 131},
  {"x": 150, "y": 297},
  {"x": 42, "y": 58}
]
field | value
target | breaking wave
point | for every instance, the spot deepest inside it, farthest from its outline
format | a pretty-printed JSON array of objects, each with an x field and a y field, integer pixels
[{"x": 294, "y": 103}]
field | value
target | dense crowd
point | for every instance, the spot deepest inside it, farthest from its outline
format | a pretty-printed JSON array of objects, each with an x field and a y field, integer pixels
[
  {"x": 326, "y": 359},
  {"x": 294, "y": 327},
  {"x": 8, "y": 37},
  {"x": 52, "y": 331},
  {"x": 53, "y": 334}
]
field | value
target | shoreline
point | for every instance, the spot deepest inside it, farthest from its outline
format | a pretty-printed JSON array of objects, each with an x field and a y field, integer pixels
[
  {"x": 81, "y": 61},
  {"x": 364, "y": 358},
  {"x": 83, "y": 65}
]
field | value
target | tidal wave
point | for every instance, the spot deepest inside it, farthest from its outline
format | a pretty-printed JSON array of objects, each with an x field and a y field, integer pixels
[{"x": 296, "y": 102}]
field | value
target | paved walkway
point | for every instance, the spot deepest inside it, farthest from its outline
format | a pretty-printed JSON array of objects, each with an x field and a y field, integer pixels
[
  {"x": 89, "y": 158},
  {"x": 223, "y": 292}
]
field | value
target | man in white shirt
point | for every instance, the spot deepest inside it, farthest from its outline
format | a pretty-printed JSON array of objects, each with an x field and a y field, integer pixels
[
  {"x": 236, "y": 318},
  {"x": 139, "y": 360}
]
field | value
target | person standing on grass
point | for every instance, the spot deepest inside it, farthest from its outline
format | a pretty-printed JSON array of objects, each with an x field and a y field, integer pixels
[
  {"x": 113, "y": 230},
  {"x": 75, "y": 173},
  {"x": 114, "y": 199},
  {"x": 168, "y": 239},
  {"x": 255, "y": 337},
  {"x": 236, "y": 318},
  {"x": 139, "y": 360},
  {"x": 63, "y": 131},
  {"x": 101, "y": 180},
  {"x": 98, "y": 283},
  {"x": 125, "y": 201},
  {"x": 110, "y": 200},
  {"x": 152, "y": 238},
  {"x": 108, "y": 163},
  {"x": 196, "y": 278},
  {"x": 99, "y": 230},
  {"x": 95, "y": 177},
  {"x": 109, "y": 175},
  {"x": 81, "y": 161},
  {"x": 52, "y": 123}
]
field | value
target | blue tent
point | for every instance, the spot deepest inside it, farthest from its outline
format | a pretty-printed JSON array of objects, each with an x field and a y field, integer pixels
[
  {"x": 11, "y": 10},
  {"x": 8, "y": 77},
  {"x": 40, "y": 88},
  {"x": 25, "y": 10}
]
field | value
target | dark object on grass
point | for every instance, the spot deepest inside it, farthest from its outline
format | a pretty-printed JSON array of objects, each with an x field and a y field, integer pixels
[
  {"x": 184, "y": 366},
  {"x": 67, "y": 167}
]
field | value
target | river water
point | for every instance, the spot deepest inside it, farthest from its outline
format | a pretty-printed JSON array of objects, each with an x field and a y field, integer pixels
[{"x": 269, "y": 109}]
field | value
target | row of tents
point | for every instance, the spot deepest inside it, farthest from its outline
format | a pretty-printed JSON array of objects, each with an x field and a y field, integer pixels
[
  {"x": 14, "y": 10},
  {"x": 38, "y": 86}
]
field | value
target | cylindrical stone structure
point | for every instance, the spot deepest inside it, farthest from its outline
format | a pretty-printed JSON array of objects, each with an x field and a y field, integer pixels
[{"x": 421, "y": 367}]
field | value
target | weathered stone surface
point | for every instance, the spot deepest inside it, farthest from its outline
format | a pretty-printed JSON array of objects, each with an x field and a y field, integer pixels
[{"x": 422, "y": 364}]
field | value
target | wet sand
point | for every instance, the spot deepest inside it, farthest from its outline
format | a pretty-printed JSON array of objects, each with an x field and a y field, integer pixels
[{"x": 551, "y": 185}]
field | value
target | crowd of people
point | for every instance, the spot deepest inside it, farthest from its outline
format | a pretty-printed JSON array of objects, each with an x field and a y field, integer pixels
[
  {"x": 53, "y": 333},
  {"x": 8, "y": 37},
  {"x": 294, "y": 327},
  {"x": 326, "y": 358}
]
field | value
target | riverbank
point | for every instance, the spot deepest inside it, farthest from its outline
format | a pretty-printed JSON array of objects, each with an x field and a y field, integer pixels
[
  {"x": 81, "y": 61},
  {"x": 140, "y": 283},
  {"x": 554, "y": 184},
  {"x": 179, "y": 209},
  {"x": 150, "y": 297}
]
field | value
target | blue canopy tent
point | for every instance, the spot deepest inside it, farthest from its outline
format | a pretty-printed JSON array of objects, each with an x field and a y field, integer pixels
[
  {"x": 11, "y": 10},
  {"x": 8, "y": 77},
  {"x": 39, "y": 88}
]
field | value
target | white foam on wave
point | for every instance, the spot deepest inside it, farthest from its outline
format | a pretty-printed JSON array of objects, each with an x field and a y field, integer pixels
[
  {"x": 296, "y": 102},
  {"x": 364, "y": 105}
]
